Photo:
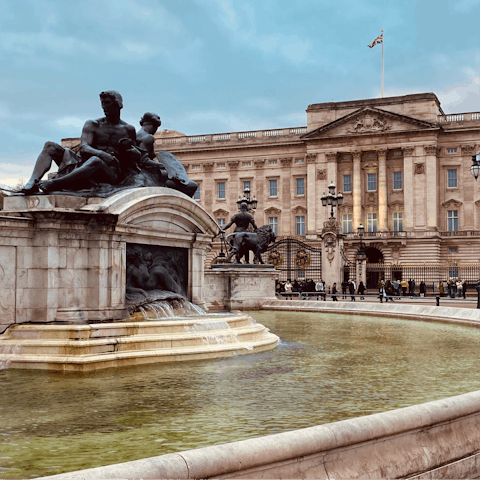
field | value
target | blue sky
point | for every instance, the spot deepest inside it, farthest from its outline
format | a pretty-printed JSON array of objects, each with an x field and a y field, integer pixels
[{"x": 208, "y": 66}]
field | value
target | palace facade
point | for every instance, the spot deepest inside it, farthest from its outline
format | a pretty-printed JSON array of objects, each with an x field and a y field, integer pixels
[{"x": 402, "y": 165}]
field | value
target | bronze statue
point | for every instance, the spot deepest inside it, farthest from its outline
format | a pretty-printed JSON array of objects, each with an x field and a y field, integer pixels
[
  {"x": 242, "y": 220},
  {"x": 241, "y": 243},
  {"x": 111, "y": 157}
]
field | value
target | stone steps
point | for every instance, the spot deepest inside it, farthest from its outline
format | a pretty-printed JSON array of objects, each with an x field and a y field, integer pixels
[{"x": 96, "y": 346}]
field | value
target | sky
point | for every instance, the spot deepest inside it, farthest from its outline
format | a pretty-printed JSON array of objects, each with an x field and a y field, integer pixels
[{"x": 213, "y": 66}]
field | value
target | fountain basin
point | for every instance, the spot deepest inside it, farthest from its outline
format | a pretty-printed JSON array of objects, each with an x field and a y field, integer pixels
[{"x": 105, "y": 345}]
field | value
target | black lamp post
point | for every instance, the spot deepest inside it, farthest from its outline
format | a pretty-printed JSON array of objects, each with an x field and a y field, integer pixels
[
  {"x": 251, "y": 203},
  {"x": 332, "y": 199},
  {"x": 221, "y": 236},
  {"x": 361, "y": 230},
  {"x": 475, "y": 168}
]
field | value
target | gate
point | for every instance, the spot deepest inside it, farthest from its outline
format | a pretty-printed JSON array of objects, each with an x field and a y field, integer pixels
[{"x": 295, "y": 260}]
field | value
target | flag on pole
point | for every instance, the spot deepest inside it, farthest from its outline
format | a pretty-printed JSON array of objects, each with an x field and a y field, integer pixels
[{"x": 378, "y": 40}]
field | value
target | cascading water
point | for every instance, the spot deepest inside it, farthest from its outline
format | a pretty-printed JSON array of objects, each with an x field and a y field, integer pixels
[
  {"x": 8, "y": 350},
  {"x": 162, "y": 309}
]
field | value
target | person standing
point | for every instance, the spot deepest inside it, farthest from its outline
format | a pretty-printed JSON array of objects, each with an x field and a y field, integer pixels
[
  {"x": 423, "y": 288},
  {"x": 464, "y": 283},
  {"x": 351, "y": 290},
  {"x": 288, "y": 289},
  {"x": 459, "y": 285},
  {"x": 361, "y": 290},
  {"x": 320, "y": 289},
  {"x": 441, "y": 288},
  {"x": 344, "y": 288},
  {"x": 334, "y": 292}
]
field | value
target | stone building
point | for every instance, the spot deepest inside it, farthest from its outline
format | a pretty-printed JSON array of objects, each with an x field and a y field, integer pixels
[{"x": 402, "y": 165}]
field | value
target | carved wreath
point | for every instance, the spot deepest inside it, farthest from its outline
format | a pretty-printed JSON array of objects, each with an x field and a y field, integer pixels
[
  {"x": 302, "y": 259},
  {"x": 321, "y": 174},
  {"x": 419, "y": 168}
]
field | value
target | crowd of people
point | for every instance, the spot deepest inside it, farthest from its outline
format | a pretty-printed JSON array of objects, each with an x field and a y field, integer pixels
[{"x": 387, "y": 290}]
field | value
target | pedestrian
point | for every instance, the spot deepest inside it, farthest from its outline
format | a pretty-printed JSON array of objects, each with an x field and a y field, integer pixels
[
  {"x": 381, "y": 290},
  {"x": 396, "y": 287},
  {"x": 361, "y": 290},
  {"x": 288, "y": 289},
  {"x": 404, "y": 285},
  {"x": 423, "y": 288},
  {"x": 344, "y": 288},
  {"x": 459, "y": 285},
  {"x": 320, "y": 289},
  {"x": 351, "y": 290},
  {"x": 464, "y": 283},
  {"x": 441, "y": 288},
  {"x": 334, "y": 292},
  {"x": 388, "y": 291}
]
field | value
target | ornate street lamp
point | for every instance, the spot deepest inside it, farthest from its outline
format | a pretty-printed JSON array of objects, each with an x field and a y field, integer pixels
[
  {"x": 252, "y": 203},
  {"x": 332, "y": 199},
  {"x": 221, "y": 236},
  {"x": 361, "y": 254},
  {"x": 475, "y": 168}
]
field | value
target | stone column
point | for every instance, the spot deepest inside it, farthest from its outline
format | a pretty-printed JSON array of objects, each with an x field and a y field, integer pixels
[
  {"x": 331, "y": 168},
  {"x": 311, "y": 192},
  {"x": 408, "y": 188},
  {"x": 331, "y": 256},
  {"x": 382, "y": 190},
  {"x": 357, "y": 190},
  {"x": 361, "y": 270},
  {"x": 431, "y": 172}
]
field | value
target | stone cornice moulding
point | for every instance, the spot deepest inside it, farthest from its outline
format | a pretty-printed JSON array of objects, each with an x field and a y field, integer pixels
[
  {"x": 370, "y": 166},
  {"x": 452, "y": 203},
  {"x": 395, "y": 204}
]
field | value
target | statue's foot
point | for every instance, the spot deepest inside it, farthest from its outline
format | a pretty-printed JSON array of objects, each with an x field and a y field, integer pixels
[
  {"x": 30, "y": 187},
  {"x": 46, "y": 185}
]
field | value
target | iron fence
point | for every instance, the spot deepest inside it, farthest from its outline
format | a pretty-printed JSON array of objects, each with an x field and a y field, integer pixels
[{"x": 294, "y": 259}]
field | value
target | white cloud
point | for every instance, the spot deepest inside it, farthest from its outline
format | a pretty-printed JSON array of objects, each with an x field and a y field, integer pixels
[
  {"x": 71, "y": 122},
  {"x": 11, "y": 173},
  {"x": 462, "y": 97}
]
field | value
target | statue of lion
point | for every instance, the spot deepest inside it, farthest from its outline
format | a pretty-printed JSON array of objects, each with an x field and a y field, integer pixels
[{"x": 243, "y": 242}]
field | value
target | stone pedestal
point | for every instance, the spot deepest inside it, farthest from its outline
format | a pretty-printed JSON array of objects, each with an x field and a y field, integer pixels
[
  {"x": 332, "y": 243},
  {"x": 230, "y": 286},
  {"x": 62, "y": 258}
]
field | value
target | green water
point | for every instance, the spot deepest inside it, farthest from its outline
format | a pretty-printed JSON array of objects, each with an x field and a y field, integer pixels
[{"x": 326, "y": 368}]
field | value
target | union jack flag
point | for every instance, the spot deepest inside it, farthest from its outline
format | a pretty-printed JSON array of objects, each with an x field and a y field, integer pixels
[{"x": 376, "y": 41}]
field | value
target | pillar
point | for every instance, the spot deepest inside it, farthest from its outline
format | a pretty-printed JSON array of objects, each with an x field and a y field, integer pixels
[
  {"x": 431, "y": 172},
  {"x": 382, "y": 190},
  {"x": 312, "y": 197},
  {"x": 357, "y": 190},
  {"x": 408, "y": 188}
]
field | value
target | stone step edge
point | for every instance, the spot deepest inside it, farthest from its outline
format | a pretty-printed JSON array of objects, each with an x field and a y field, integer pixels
[
  {"x": 251, "y": 329},
  {"x": 104, "y": 357}
]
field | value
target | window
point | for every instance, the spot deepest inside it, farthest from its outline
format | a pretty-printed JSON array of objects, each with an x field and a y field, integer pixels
[
  {"x": 272, "y": 188},
  {"x": 220, "y": 165},
  {"x": 272, "y": 162},
  {"x": 196, "y": 195},
  {"x": 300, "y": 273},
  {"x": 221, "y": 190},
  {"x": 347, "y": 183},
  {"x": 246, "y": 184},
  {"x": 371, "y": 182},
  {"x": 300, "y": 160},
  {"x": 196, "y": 167},
  {"x": 300, "y": 222},
  {"x": 247, "y": 164},
  {"x": 452, "y": 249},
  {"x": 221, "y": 222},
  {"x": 273, "y": 222},
  {"x": 452, "y": 220},
  {"x": 452, "y": 178},
  {"x": 398, "y": 221},
  {"x": 451, "y": 150},
  {"x": 347, "y": 223},
  {"x": 300, "y": 186},
  {"x": 397, "y": 180},
  {"x": 371, "y": 222}
]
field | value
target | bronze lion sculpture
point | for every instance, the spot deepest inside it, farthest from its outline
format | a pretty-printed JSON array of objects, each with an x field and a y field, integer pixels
[{"x": 241, "y": 243}]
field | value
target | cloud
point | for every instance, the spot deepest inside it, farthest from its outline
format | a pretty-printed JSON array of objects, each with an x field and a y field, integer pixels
[
  {"x": 464, "y": 6},
  {"x": 71, "y": 122},
  {"x": 462, "y": 97},
  {"x": 11, "y": 173}
]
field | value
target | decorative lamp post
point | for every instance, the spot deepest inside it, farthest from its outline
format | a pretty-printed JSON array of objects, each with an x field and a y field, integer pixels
[
  {"x": 361, "y": 230},
  {"x": 332, "y": 199},
  {"x": 251, "y": 202},
  {"x": 221, "y": 236},
  {"x": 475, "y": 168}
]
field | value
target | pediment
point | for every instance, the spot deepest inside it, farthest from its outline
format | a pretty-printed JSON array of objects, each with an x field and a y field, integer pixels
[
  {"x": 369, "y": 121},
  {"x": 452, "y": 203},
  {"x": 299, "y": 210},
  {"x": 220, "y": 213},
  {"x": 272, "y": 211}
]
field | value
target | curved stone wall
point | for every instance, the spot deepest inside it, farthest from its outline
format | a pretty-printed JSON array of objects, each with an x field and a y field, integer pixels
[{"x": 439, "y": 439}]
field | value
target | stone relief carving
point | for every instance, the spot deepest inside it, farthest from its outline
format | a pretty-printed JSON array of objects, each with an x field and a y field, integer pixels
[
  {"x": 419, "y": 168},
  {"x": 382, "y": 152},
  {"x": 431, "y": 150},
  {"x": 329, "y": 242},
  {"x": 331, "y": 156},
  {"x": 370, "y": 197},
  {"x": 311, "y": 157},
  {"x": 259, "y": 163},
  {"x": 321, "y": 174},
  {"x": 286, "y": 161},
  {"x": 233, "y": 165},
  {"x": 408, "y": 151},
  {"x": 396, "y": 251},
  {"x": 357, "y": 155},
  {"x": 468, "y": 149},
  {"x": 369, "y": 123},
  {"x": 331, "y": 225},
  {"x": 452, "y": 203},
  {"x": 208, "y": 167}
]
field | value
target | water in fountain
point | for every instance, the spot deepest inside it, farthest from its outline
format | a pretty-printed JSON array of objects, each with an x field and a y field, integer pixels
[
  {"x": 8, "y": 350},
  {"x": 210, "y": 332},
  {"x": 163, "y": 309}
]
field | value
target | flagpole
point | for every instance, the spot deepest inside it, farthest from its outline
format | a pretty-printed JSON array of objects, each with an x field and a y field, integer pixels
[{"x": 383, "y": 41}]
